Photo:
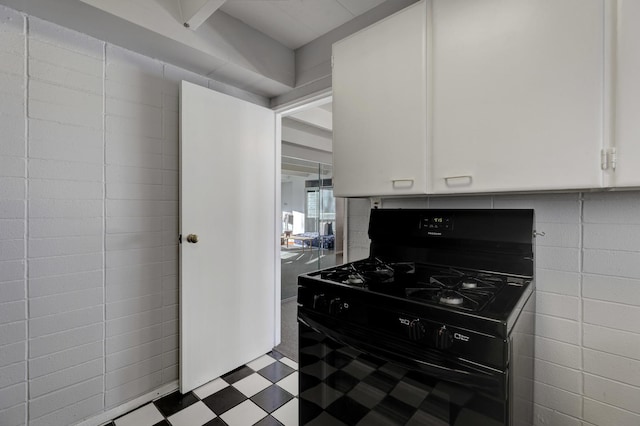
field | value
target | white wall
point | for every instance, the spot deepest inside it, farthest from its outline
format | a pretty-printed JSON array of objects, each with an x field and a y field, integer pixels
[
  {"x": 587, "y": 367},
  {"x": 88, "y": 222}
]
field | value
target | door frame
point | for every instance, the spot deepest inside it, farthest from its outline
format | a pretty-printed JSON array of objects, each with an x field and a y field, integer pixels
[{"x": 300, "y": 104}]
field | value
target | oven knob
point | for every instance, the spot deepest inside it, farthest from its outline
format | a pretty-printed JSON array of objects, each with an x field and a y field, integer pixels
[
  {"x": 416, "y": 330},
  {"x": 337, "y": 306},
  {"x": 443, "y": 338},
  {"x": 319, "y": 302}
]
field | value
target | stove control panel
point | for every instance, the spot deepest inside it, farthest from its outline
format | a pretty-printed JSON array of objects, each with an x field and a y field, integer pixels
[
  {"x": 383, "y": 322},
  {"x": 437, "y": 223}
]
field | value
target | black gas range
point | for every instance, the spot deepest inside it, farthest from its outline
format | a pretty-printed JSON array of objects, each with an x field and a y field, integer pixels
[{"x": 444, "y": 301}]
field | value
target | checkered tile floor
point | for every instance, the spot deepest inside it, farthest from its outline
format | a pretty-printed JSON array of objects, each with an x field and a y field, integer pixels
[{"x": 263, "y": 392}]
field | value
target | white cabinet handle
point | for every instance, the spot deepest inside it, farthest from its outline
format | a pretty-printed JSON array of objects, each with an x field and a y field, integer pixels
[
  {"x": 402, "y": 183},
  {"x": 458, "y": 180}
]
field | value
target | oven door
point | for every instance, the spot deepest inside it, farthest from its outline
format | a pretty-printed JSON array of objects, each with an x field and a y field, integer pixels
[{"x": 345, "y": 378}]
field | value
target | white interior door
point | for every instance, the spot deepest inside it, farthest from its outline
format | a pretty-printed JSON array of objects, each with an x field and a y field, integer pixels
[{"x": 227, "y": 198}]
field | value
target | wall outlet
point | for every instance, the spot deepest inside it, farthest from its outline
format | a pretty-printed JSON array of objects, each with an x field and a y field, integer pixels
[{"x": 376, "y": 202}]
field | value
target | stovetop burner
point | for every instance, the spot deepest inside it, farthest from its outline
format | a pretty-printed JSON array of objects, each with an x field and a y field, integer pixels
[
  {"x": 467, "y": 290},
  {"x": 365, "y": 273},
  {"x": 430, "y": 284}
]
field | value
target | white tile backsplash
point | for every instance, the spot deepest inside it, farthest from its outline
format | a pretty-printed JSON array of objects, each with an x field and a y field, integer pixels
[
  {"x": 565, "y": 402},
  {"x": 559, "y": 282},
  {"x": 612, "y": 289},
  {"x": 546, "y": 416},
  {"x": 613, "y": 393},
  {"x": 611, "y": 207},
  {"x": 612, "y": 315},
  {"x": 621, "y": 369},
  {"x": 598, "y": 413},
  {"x": 558, "y": 376},
  {"x": 613, "y": 341},
  {"x": 557, "y": 305},
  {"x": 612, "y": 263},
  {"x": 479, "y": 202},
  {"x": 558, "y": 258},
  {"x": 559, "y": 329}
]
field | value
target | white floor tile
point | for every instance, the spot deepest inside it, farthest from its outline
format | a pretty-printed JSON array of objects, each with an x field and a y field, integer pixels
[
  {"x": 147, "y": 415},
  {"x": 261, "y": 362},
  {"x": 195, "y": 414},
  {"x": 252, "y": 384},
  {"x": 210, "y": 388},
  {"x": 290, "y": 383},
  {"x": 244, "y": 414},
  {"x": 291, "y": 363},
  {"x": 288, "y": 413}
]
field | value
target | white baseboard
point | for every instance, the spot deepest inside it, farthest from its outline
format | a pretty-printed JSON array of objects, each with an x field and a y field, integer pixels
[{"x": 129, "y": 406}]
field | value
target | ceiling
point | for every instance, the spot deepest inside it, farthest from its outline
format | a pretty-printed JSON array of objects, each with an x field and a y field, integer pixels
[
  {"x": 295, "y": 23},
  {"x": 270, "y": 52}
]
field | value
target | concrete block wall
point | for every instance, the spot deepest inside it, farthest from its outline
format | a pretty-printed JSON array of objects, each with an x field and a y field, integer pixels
[
  {"x": 65, "y": 258},
  {"x": 13, "y": 308},
  {"x": 587, "y": 343},
  {"x": 88, "y": 222}
]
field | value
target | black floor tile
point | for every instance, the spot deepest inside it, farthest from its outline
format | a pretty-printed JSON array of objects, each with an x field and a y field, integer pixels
[
  {"x": 395, "y": 410},
  {"x": 276, "y": 371},
  {"x": 271, "y": 398},
  {"x": 269, "y": 421},
  {"x": 306, "y": 381},
  {"x": 275, "y": 355},
  {"x": 163, "y": 423},
  {"x": 175, "y": 402},
  {"x": 337, "y": 360},
  {"x": 341, "y": 381},
  {"x": 224, "y": 400},
  {"x": 237, "y": 374},
  {"x": 307, "y": 411},
  {"x": 381, "y": 381},
  {"x": 215, "y": 422},
  {"x": 307, "y": 359},
  {"x": 347, "y": 410},
  {"x": 371, "y": 360}
]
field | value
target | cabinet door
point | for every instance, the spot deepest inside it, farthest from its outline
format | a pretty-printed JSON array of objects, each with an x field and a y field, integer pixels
[
  {"x": 379, "y": 108},
  {"x": 517, "y": 95},
  {"x": 627, "y": 123}
]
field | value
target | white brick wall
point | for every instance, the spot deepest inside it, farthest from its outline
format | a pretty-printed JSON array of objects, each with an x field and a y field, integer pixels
[
  {"x": 13, "y": 173},
  {"x": 65, "y": 165},
  {"x": 88, "y": 222},
  {"x": 587, "y": 367}
]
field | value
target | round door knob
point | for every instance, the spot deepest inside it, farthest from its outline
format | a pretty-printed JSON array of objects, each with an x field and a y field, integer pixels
[{"x": 192, "y": 238}]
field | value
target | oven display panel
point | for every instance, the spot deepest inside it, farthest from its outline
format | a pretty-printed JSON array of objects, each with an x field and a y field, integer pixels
[{"x": 437, "y": 223}]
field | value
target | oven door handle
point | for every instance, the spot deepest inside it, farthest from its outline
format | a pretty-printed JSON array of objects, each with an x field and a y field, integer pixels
[{"x": 491, "y": 381}]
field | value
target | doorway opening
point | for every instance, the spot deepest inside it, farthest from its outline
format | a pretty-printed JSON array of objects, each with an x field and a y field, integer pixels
[
  {"x": 312, "y": 220},
  {"x": 311, "y": 230}
]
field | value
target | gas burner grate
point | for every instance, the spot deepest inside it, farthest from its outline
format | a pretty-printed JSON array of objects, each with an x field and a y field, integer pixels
[
  {"x": 368, "y": 272},
  {"x": 463, "y": 290}
]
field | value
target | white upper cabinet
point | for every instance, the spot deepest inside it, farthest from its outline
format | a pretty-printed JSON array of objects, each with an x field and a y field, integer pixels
[
  {"x": 380, "y": 108},
  {"x": 518, "y": 95},
  {"x": 627, "y": 102}
]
